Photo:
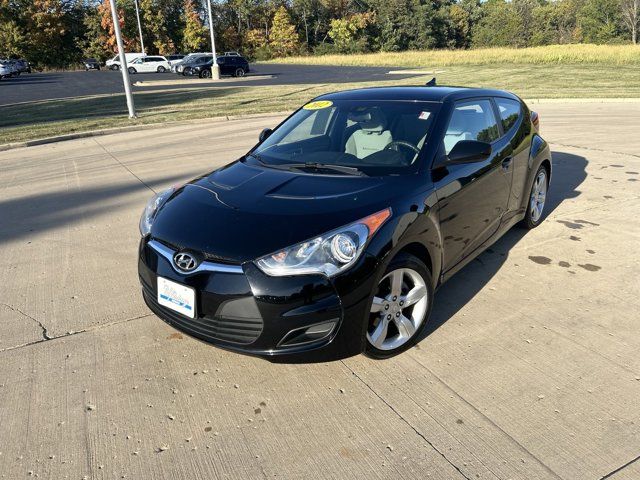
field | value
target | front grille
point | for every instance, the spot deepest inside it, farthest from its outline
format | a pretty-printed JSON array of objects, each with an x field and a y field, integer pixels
[
  {"x": 210, "y": 257},
  {"x": 237, "y": 330}
]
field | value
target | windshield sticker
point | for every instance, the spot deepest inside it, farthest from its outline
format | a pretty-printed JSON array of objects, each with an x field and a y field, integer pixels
[
  {"x": 318, "y": 105},
  {"x": 424, "y": 115}
]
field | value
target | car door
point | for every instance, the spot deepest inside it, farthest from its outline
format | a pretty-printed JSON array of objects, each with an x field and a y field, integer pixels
[
  {"x": 223, "y": 64},
  {"x": 517, "y": 133},
  {"x": 152, "y": 64},
  {"x": 472, "y": 197}
]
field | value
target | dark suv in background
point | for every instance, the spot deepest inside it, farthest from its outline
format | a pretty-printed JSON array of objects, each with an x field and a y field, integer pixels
[{"x": 233, "y": 65}]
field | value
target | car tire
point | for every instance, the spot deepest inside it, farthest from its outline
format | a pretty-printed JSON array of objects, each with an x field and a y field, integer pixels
[
  {"x": 115, "y": 67},
  {"x": 132, "y": 71},
  {"x": 205, "y": 74},
  {"x": 537, "y": 199},
  {"x": 161, "y": 69},
  {"x": 239, "y": 72},
  {"x": 400, "y": 307}
]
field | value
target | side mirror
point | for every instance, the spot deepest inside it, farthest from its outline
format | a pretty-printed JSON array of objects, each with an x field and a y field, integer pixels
[
  {"x": 264, "y": 134},
  {"x": 469, "y": 151}
]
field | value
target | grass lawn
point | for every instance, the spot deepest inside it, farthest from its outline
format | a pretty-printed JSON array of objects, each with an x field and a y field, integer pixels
[
  {"x": 576, "y": 54},
  {"x": 56, "y": 117}
]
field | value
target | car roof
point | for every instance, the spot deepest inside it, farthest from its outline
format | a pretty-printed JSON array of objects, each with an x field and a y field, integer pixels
[{"x": 416, "y": 93}]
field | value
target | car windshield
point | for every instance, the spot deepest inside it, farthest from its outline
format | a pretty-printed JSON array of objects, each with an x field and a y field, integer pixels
[{"x": 374, "y": 137}]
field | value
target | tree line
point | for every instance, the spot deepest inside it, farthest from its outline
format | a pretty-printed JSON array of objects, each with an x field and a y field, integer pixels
[{"x": 59, "y": 33}]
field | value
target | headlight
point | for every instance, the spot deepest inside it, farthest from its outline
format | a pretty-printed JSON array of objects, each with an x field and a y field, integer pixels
[
  {"x": 149, "y": 213},
  {"x": 327, "y": 254}
]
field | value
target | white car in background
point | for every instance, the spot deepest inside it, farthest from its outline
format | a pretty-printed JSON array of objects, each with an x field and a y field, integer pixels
[
  {"x": 151, "y": 63},
  {"x": 8, "y": 68},
  {"x": 114, "y": 63}
]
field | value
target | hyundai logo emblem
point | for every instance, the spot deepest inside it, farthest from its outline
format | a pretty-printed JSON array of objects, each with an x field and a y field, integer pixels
[{"x": 185, "y": 261}]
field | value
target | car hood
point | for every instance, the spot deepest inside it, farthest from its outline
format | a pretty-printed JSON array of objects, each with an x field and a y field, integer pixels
[{"x": 240, "y": 212}]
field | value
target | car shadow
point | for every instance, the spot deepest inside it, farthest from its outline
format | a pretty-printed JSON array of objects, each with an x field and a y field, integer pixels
[
  {"x": 24, "y": 217},
  {"x": 569, "y": 171}
]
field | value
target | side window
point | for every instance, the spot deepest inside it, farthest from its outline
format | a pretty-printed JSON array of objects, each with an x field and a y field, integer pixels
[
  {"x": 510, "y": 111},
  {"x": 471, "y": 120}
]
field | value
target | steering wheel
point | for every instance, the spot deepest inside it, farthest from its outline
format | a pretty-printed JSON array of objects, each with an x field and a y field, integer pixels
[{"x": 401, "y": 143}]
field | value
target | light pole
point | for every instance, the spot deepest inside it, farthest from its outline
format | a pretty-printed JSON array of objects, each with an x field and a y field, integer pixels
[
  {"x": 123, "y": 60},
  {"x": 139, "y": 27},
  {"x": 215, "y": 69}
]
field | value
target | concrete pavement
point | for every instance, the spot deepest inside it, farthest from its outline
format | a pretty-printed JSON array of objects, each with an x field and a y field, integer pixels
[{"x": 530, "y": 369}]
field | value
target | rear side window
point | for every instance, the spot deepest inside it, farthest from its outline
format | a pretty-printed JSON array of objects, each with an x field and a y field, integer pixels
[
  {"x": 509, "y": 112},
  {"x": 471, "y": 120}
]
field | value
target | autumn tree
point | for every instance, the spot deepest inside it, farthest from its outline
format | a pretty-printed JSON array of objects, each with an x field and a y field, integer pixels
[
  {"x": 256, "y": 45},
  {"x": 283, "y": 38},
  {"x": 194, "y": 33},
  {"x": 346, "y": 32},
  {"x": 45, "y": 23}
]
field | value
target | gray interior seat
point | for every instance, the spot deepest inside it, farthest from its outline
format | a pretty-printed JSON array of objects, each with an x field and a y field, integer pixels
[
  {"x": 372, "y": 136},
  {"x": 459, "y": 129}
]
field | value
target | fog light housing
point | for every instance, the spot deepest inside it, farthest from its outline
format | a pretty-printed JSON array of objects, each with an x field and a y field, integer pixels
[{"x": 308, "y": 334}]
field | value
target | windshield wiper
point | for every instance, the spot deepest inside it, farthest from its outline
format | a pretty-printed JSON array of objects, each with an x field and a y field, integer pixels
[
  {"x": 258, "y": 158},
  {"x": 324, "y": 166}
]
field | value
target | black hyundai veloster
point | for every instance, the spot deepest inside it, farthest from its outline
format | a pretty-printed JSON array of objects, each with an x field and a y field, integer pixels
[{"x": 335, "y": 229}]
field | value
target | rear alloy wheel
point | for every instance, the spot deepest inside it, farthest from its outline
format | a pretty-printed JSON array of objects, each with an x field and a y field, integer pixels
[
  {"x": 161, "y": 69},
  {"x": 400, "y": 307},
  {"x": 537, "y": 199},
  {"x": 205, "y": 74},
  {"x": 239, "y": 72},
  {"x": 132, "y": 70}
]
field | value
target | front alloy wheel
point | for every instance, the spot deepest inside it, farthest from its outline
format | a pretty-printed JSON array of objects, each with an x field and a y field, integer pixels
[
  {"x": 400, "y": 308},
  {"x": 205, "y": 74},
  {"x": 239, "y": 72},
  {"x": 132, "y": 70}
]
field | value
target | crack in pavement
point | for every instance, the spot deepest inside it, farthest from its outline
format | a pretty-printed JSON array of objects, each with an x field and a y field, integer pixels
[
  {"x": 610, "y": 474},
  {"x": 122, "y": 164},
  {"x": 70, "y": 333},
  {"x": 488, "y": 419},
  {"x": 417, "y": 432},
  {"x": 45, "y": 334}
]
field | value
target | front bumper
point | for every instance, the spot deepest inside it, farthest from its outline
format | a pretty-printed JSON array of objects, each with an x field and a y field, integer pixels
[{"x": 242, "y": 309}]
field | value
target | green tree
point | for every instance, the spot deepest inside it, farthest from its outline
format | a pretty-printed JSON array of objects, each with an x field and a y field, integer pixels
[
  {"x": 283, "y": 38},
  {"x": 154, "y": 27},
  {"x": 599, "y": 21},
  {"x": 630, "y": 10},
  {"x": 94, "y": 44},
  {"x": 500, "y": 26},
  {"x": 194, "y": 34},
  {"x": 12, "y": 38}
]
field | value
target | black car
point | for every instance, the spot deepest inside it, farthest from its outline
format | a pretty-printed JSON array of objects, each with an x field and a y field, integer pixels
[
  {"x": 333, "y": 232},
  {"x": 91, "y": 64},
  {"x": 233, "y": 65}
]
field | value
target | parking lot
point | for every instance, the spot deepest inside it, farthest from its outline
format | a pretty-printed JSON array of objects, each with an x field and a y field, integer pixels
[
  {"x": 55, "y": 85},
  {"x": 530, "y": 369}
]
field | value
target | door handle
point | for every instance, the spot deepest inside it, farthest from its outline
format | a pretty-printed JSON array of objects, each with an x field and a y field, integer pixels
[{"x": 506, "y": 163}]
